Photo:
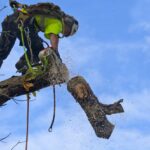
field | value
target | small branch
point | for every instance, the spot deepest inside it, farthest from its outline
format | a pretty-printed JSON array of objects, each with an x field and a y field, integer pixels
[
  {"x": 113, "y": 108},
  {"x": 2, "y": 139},
  {"x": 3, "y": 8},
  {"x": 24, "y": 100},
  {"x": 17, "y": 144},
  {"x": 15, "y": 100}
]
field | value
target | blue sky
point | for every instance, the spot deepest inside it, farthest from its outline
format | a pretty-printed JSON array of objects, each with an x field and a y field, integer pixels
[{"x": 112, "y": 51}]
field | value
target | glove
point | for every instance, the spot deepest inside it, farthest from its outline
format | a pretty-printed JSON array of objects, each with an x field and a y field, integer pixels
[
  {"x": 13, "y": 3},
  {"x": 44, "y": 53},
  {"x": 57, "y": 53}
]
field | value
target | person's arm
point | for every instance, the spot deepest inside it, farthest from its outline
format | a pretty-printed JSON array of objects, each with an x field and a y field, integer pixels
[{"x": 54, "y": 40}]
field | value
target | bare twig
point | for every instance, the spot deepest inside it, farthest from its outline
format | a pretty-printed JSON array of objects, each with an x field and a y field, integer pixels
[
  {"x": 2, "y": 139},
  {"x": 19, "y": 142},
  {"x": 3, "y": 8},
  {"x": 7, "y": 96},
  {"x": 17, "y": 100},
  {"x": 24, "y": 100}
]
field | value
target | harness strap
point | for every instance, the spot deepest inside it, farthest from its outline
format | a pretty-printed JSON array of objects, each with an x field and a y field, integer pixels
[
  {"x": 1, "y": 9},
  {"x": 26, "y": 30},
  {"x": 20, "y": 26}
]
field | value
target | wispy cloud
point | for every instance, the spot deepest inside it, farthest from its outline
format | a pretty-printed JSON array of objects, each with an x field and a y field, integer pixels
[
  {"x": 140, "y": 17},
  {"x": 74, "y": 131},
  {"x": 116, "y": 69}
]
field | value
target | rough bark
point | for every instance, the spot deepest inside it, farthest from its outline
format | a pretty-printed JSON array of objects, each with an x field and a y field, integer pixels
[
  {"x": 95, "y": 111},
  {"x": 57, "y": 73}
]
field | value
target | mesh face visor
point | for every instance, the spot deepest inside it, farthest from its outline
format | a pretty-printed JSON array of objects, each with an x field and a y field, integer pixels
[
  {"x": 71, "y": 24},
  {"x": 75, "y": 27}
]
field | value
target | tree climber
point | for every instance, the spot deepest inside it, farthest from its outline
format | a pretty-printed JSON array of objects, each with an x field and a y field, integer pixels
[{"x": 26, "y": 22}]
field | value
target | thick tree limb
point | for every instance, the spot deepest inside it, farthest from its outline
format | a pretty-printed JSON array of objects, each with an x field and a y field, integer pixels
[
  {"x": 57, "y": 73},
  {"x": 95, "y": 111}
]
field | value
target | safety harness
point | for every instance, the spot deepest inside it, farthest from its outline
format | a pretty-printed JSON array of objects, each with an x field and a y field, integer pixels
[
  {"x": 21, "y": 28},
  {"x": 26, "y": 31}
]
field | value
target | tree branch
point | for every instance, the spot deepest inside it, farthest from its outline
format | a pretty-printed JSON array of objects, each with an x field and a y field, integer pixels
[
  {"x": 57, "y": 73},
  {"x": 95, "y": 111}
]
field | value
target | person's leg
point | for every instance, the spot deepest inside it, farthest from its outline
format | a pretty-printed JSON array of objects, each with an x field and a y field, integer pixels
[
  {"x": 36, "y": 46},
  {"x": 36, "y": 40},
  {"x": 7, "y": 37}
]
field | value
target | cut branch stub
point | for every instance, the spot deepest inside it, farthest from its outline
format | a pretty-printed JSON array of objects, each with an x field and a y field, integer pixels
[{"x": 95, "y": 111}]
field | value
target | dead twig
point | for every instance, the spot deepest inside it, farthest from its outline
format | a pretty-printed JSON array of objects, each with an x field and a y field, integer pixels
[
  {"x": 3, "y": 8},
  {"x": 19, "y": 142},
  {"x": 2, "y": 139}
]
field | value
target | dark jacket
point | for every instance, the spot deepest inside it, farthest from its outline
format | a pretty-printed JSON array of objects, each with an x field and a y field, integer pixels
[{"x": 11, "y": 32}]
